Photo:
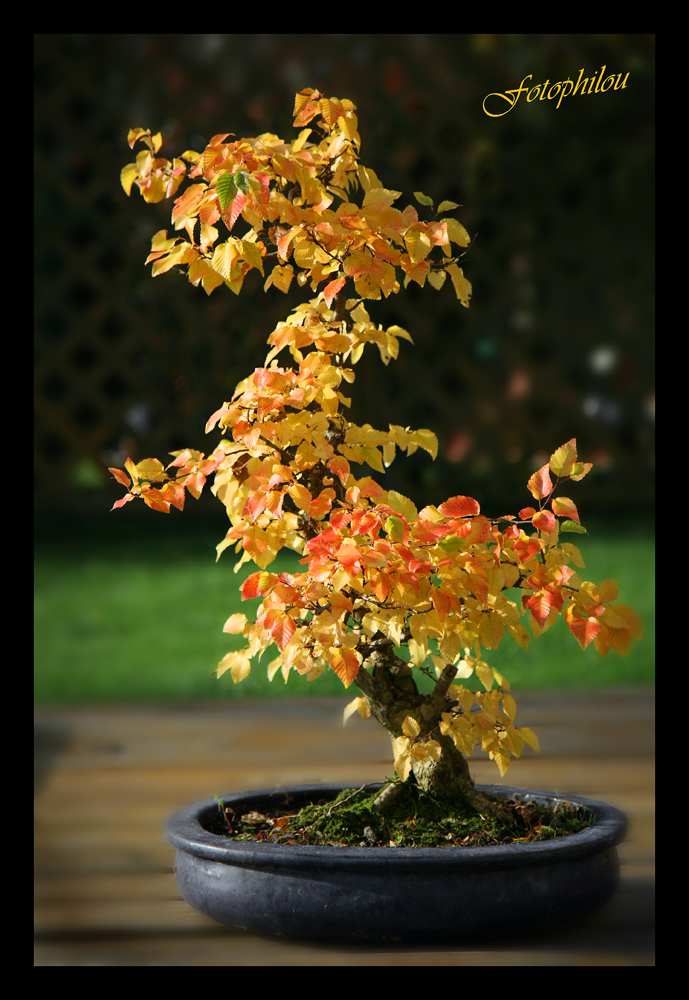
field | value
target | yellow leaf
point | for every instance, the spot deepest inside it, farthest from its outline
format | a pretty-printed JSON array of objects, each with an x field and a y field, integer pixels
[
  {"x": 461, "y": 285},
  {"x": 611, "y": 618},
  {"x": 403, "y": 764},
  {"x": 238, "y": 663},
  {"x": 491, "y": 630},
  {"x": 418, "y": 245},
  {"x": 274, "y": 666},
  {"x": 451, "y": 646},
  {"x": 608, "y": 590},
  {"x": 631, "y": 618},
  {"x": 519, "y": 634},
  {"x": 128, "y": 175},
  {"x": 235, "y": 624},
  {"x": 457, "y": 232},
  {"x": 251, "y": 253},
  {"x": 359, "y": 705},
  {"x": 509, "y": 706},
  {"x": 573, "y": 553},
  {"x": 379, "y": 198},
  {"x": 417, "y": 652},
  {"x": 224, "y": 258},
  {"x": 423, "y": 439},
  {"x": 301, "y": 139},
  {"x": 410, "y": 727},
  {"x": 201, "y": 270},
  {"x": 280, "y": 277},
  {"x": 372, "y": 457},
  {"x": 530, "y": 737},
  {"x": 502, "y": 759},
  {"x": 564, "y": 458},
  {"x": 301, "y": 496},
  {"x": 402, "y": 505},
  {"x": 485, "y": 674}
]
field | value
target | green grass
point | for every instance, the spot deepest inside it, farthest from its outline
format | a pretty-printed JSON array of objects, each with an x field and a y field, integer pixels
[{"x": 135, "y": 613}]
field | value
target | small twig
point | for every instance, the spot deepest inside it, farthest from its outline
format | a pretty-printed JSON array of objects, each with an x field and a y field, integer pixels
[{"x": 342, "y": 801}]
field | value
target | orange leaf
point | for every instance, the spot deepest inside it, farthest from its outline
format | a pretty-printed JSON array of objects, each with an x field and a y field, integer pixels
[
  {"x": 123, "y": 501},
  {"x": 339, "y": 465},
  {"x": 255, "y": 505},
  {"x": 331, "y": 290},
  {"x": 258, "y": 585},
  {"x": 174, "y": 494},
  {"x": 564, "y": 507},
  {"x": 539, "y": 605},
  {"x": 345, "y": 663},
  {"x": 319, "y": 507},
  {"x": 544, "y": 521},
  {"x": 120, "y": 476},
  {"x": 282, "y": 630},
  {"x": 154, "y": 500},
  {"x": 540, "y": 484},
  {"x": 459, "y": 506},
  {"x": 585, "y": 630}
]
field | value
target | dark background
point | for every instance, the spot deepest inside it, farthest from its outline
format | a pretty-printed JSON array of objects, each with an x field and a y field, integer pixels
[{"x": 558, "y": 342}]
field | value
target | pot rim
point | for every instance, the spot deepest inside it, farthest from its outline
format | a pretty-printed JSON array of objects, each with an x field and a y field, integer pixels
[{"x": 185, "y": 833}]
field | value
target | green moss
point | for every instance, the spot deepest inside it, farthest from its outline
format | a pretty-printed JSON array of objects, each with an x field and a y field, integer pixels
[{"x": 415, "y": 820}]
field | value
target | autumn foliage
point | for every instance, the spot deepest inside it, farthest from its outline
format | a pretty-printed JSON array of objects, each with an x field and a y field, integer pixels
[{"x": 378, "y": 574}]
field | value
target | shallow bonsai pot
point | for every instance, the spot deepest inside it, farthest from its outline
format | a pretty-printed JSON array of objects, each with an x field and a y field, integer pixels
[{"x": 386, "y": 894}]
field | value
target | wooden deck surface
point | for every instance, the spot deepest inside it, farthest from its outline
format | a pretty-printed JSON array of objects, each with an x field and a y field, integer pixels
[{"x": 108, "y": 777}]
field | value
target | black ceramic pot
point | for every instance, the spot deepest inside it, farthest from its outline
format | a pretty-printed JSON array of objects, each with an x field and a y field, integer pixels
[{"x": 379, "y": 894}]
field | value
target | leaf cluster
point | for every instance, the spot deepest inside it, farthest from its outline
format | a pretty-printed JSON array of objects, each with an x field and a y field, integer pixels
[
  {"x": 378, "y": 573},
  {"x": 296, "y": 199}
]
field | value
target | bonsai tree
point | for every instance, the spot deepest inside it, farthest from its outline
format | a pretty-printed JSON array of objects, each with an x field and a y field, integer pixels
[{"x": 379, "y": 576}]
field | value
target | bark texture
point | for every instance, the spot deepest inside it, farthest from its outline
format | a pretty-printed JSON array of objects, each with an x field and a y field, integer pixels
[{"x": 392, "y": 695}]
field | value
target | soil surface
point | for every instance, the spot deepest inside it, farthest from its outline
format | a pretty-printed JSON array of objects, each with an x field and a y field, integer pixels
[{"x": 414, "y": 820}]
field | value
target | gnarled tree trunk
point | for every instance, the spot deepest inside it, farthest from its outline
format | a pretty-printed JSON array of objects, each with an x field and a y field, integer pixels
[{"x": 392, "y": 695}]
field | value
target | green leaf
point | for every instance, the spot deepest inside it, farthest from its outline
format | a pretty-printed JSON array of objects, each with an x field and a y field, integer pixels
[
  {"x": 395, "y": 528},
  {"x": 227, "y": 189},
  {"x": 579, "y": 529},
  {"x": 242, "y": 181},
  {"x": 447, "y": 206},
  {"x": 451, "y": 544},
  {"x": 423, "y": 199}
]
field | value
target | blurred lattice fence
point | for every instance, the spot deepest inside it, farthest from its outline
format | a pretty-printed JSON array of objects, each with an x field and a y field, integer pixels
[{"x": 558, "y": 342}]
